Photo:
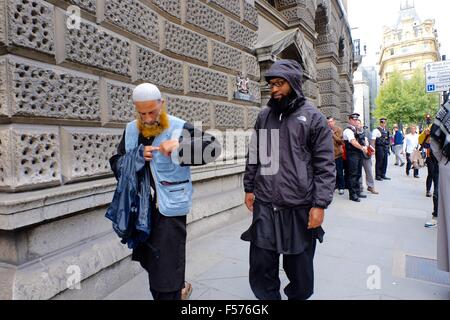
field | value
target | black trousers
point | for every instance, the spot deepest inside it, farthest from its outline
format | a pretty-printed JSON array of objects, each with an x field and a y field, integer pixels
[
  {"x": 157, "y": 296},
  {"x": 381, "y": 157},
  {"x": 355, "y": 165},
  {"x": 340, "y": 180},
  {"x": 163, "y": 256},
  {"x": 433, "y": 167},
  {"x": 409, "y": 165},
  {"x": 264, "y": 273}
]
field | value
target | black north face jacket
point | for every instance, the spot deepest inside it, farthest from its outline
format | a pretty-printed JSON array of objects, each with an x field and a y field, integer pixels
[{"x": 306, "y": 175}]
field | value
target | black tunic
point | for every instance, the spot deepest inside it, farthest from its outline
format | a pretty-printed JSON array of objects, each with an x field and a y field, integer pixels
[{"x": 283, "y": 230}]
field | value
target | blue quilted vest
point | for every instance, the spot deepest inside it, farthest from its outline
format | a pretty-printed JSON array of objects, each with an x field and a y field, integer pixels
[{"x": 173, "y": 182}]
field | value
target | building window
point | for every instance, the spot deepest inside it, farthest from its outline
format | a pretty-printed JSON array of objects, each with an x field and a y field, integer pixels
[
  {"x": 271, "y": 2},
  {"x": 392, "y": 52},
  {"x": 356, "y": 46}
]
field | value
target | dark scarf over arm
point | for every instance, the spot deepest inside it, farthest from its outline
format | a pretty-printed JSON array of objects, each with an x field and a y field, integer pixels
[{"x": 197, "y": 147}]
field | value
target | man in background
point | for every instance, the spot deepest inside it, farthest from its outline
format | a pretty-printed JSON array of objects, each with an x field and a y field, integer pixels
[
  {"x": 381, "y": 142},
  {"x": 338, "y": 141},
  {"x": 398, "y": 146}
]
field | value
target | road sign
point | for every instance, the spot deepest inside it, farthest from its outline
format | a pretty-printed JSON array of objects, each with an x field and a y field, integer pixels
[{"x": 437, "y": 76}]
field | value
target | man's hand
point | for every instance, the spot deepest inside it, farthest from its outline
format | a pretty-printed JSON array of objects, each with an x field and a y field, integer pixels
[
  {"x": 249, "y": 201},
  {"x": 316, "y": 216},
  {"x": 364, "y": 149},
  {"x": 167, "y": 147},
  {"x": 148, "y": 156}
]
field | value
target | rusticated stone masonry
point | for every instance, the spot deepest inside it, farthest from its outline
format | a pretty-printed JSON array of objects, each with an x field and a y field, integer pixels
[{"x": 84, "y": 96}]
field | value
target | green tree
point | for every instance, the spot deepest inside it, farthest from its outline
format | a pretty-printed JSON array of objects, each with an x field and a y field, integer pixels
[{"x": 406, "y": 101}]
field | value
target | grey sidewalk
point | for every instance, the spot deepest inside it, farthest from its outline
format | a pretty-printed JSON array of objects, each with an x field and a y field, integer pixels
[{"x": 385, "y": 232}]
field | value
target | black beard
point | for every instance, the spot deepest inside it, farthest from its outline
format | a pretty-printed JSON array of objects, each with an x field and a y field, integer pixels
[{"x": 284, "y": 104}]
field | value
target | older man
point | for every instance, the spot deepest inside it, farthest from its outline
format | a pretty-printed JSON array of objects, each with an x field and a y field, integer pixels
[
  {"x": 170, "y": 147},
  {"x": 338, "y": 141}
]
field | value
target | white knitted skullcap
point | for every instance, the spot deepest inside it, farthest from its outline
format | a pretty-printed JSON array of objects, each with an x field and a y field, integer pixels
[{"x": 146, "y": 92}]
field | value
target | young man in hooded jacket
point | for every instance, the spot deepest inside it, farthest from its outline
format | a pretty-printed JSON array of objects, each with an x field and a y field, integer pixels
[{"x": 287, "y": 202}]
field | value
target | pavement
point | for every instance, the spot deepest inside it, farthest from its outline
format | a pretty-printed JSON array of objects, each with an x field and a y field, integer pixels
[{"x": 378, "y": 249}]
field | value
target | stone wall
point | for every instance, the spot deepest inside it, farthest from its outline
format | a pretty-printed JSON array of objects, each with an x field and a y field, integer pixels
[{"x": 65, "y": 97}]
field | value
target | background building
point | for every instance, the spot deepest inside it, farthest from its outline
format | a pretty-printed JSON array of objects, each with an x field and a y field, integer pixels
[
  {"x": 410, "y": 44},
  {"x": 65, "y": 89},
  {"x": 366, "y": 84}
]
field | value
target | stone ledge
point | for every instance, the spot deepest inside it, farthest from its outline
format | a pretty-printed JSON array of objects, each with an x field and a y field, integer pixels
[
  {"x": 43, "y": 279},
  {"x": 29, "y": 208}
]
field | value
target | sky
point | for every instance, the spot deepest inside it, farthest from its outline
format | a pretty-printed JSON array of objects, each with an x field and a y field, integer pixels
[{"x": 369, "y": 16}]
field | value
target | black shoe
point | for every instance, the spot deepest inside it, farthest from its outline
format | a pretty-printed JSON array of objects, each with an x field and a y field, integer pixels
[
  {"x": 402, "y": 164},
  {"x": 362, "y": 196},
  {"x": 429, "y": 195},
  {"x": 417, "y": 177},
  {"x": 379, "y": 179},
  {"x": 385, "y": 178},
  {"x": 355, "y": 199}
]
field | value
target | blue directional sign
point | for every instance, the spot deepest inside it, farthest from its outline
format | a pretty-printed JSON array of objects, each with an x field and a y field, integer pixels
[
  {"x": 438, "y": 76},
  {"x": 431, "y": 88}
]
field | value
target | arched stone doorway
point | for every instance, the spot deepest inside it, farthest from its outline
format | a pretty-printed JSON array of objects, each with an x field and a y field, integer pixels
[{"x": 287, "y": 45}]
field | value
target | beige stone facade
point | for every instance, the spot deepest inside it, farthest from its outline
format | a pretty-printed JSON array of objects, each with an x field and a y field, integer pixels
[{"x": 409, "y": 45}]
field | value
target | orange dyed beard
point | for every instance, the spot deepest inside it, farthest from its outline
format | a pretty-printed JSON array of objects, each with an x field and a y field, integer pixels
[{"x": 153, "y": 130}]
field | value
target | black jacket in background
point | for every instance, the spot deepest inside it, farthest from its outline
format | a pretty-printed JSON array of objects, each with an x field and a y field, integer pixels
[{"x": 306, "y": 176}]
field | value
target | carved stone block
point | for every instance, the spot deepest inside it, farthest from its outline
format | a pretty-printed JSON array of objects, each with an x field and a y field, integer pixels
[
  {"x": 88, "y": 5},
  {"x": 232, "y": 6},
  {"x": 252, "y": 116},
  {"x": 30, "y": 25},
  {"x": 42, "y": 90},
  {"x": 252, "y": 65},
  {"x": 133, "y": 16},
  {"x": 170, "y": 6},
  {"x": 242, "y": 35},
  {"x": 250, "y": 14},
  {"x": 208, "y": 82},
  {"x": 4, "y": 108},
  {"x": 185, "y": 42},
  {"x": 158, "y": 69},
  {"x": 29, "y": 157},
  {"x": 190, "y": 110},
  {"x": 226, "y": 56},
  {"x": 86, "y": 151},
  {"x": 203, "y": 16},
  {"x": 95, "y": 46},
  {"x": 229, "y": 116},
  {"x": 117, "y": 103}
]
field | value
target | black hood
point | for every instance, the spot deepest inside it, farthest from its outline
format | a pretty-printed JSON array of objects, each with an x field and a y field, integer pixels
[{"x": 290, "y": 70}]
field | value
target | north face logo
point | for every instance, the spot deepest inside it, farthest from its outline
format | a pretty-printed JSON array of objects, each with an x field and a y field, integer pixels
[{"x": 302, "y": 118}]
